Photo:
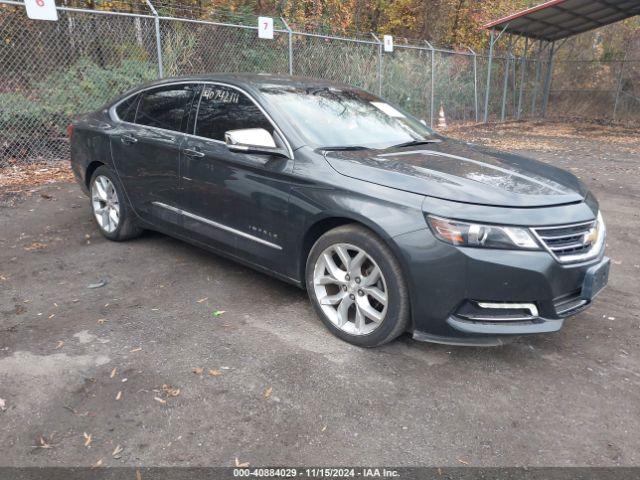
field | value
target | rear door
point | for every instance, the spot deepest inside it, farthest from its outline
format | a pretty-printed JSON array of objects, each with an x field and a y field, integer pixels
[
  {"x": 234, "y": 199},
  {"x": 146, "y": 151}
]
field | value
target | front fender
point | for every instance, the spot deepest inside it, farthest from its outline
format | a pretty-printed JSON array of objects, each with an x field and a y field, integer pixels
[{"x": 385, "y": 211}]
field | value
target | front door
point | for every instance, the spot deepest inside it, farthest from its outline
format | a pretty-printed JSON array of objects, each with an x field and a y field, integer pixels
[
  {"x": 146, "y": 151},
  {"x": 235, "y": 200}
]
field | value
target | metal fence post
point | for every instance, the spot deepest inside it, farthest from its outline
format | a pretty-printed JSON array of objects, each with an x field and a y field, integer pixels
[
  {"x": 618, "y": 88},
  {"x": 433, "y": 82},
  {"x": 475, "y": 82},
  {"x": 488, "y": 86},
  {"x": 158, "y": 38},
  {"x": 286, "y": 25},
  {"x": 379, "y": 63},
  {"x": 523, "y": 64},
  {"x": 505, "y": 85}
]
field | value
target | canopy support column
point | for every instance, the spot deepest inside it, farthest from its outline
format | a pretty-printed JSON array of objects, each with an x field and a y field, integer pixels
[
  {"x": 536, "y": 85},
  {"x": 547, "y": 80},
  {"x": 505, "y": 85},
  {"x": 618, "y": 88},
  {"x": 523, "y": 64}
]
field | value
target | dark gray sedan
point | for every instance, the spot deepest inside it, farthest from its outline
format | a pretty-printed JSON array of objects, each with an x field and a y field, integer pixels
[{"x": 390, "y": 227}]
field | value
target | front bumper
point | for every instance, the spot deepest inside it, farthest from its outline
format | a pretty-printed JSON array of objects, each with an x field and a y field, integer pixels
[{"x": 445, "y": 280}]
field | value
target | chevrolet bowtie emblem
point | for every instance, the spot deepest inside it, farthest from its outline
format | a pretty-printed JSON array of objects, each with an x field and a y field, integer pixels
[{"x": 590, "y": 237}]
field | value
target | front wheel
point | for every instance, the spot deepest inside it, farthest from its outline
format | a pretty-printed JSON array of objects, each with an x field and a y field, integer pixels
[
  {"x": 356, "y": 285},
  {"x": 110, "y": 210}
]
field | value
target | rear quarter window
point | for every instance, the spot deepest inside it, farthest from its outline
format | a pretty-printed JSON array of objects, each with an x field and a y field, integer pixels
[
  {"x": 126, "y": 111},
  {"x": 165, "y": 107}
]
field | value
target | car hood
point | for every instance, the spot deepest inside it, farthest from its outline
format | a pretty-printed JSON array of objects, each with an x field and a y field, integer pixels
[{"x": 462, "y": 172}]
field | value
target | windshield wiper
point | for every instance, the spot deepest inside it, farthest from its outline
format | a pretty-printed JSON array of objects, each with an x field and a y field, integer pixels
[
  {"x": 413, "y": 143},
  {"x": 343, "y": 147}
]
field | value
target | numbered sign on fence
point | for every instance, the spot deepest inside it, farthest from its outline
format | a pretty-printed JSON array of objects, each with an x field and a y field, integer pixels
[
  {"x": 388, "y": 43},
  {"x": 41, "y": 9},
  {"x": 265, "y": 27}
]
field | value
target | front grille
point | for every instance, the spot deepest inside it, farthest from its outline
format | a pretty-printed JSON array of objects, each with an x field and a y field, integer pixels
[{"x": 567, "y": 242}]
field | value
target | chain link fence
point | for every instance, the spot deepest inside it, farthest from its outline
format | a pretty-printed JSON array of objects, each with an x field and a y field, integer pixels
[
  {"x": 607, "y": 90},
  {"x": 346, "y": 60},
  {"x": 52, "y": 71},
  {"x": 193, "y": 47}
]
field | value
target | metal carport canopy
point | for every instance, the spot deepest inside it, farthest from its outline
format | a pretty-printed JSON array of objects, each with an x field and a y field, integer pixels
[{"x": 558, "y": 19}]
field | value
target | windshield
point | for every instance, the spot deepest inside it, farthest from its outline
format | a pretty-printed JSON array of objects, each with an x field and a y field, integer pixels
[{"x": 343, "y": 117}]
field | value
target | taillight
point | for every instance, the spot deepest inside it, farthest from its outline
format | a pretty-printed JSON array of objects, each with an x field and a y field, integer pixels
[{"x": 70, "y": 130}]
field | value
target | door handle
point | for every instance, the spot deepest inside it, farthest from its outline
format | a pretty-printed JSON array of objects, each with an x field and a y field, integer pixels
[
  {"x": 128, "y": 139},
  {"x": 190, "y": 152}
]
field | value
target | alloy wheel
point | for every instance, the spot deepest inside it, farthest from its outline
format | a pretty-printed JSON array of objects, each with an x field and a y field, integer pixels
[
  {"x": 350, "y": 288},
  {"x": 105, "y": 203}
]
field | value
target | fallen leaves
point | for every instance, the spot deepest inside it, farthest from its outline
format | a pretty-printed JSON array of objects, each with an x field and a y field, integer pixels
[
  {"x": 134, "y": 350},
  {"x": 117, "y": 451},
  {"x": 36, "y": 174},
  {"x": 35, "y": 246},
  {"x": 44, "y": 442},
  {"x": 267, "y": 392},
  {"x": 218, "y": 313},
  {"x": 59, "y": 345},
  {"x": 119, "y": 395},
  {"x": 241, "y": 464},
  {"x": 212, "y": 372},
  {"x": 113, "y": 372},
  {"x": 170, "y": 391},
  {"x": 98, "y": 464},
  {"x": 87, "y": 439},
  {"x": 202, "y": 300}
]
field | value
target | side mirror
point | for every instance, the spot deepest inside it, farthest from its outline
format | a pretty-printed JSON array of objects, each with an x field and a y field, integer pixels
[{"x": 253, "y": 140}]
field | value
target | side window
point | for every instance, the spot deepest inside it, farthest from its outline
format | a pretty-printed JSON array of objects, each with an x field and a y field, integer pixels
[
  {"x": 165, "y": 107},
  {"x": 223, "y": 108},
  {"x": 126, "y": 111}
]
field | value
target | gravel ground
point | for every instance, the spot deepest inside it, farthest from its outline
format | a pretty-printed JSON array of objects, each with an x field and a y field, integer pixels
[{"x": 88, "y": 371}]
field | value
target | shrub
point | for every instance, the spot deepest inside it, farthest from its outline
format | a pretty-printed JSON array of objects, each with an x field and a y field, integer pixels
[{"x": 85, "y": 86}]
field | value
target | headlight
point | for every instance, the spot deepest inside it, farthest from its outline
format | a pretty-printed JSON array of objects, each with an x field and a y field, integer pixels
[
  {"x": 600, "y": 225},
  {"x": 480, "y": 235}
]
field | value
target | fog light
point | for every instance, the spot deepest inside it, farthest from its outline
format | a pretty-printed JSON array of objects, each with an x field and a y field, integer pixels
[{"x": 497, "y": 311}]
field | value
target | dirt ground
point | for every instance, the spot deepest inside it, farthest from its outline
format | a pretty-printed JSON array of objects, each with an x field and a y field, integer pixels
[{"x": 153, "y": 352}]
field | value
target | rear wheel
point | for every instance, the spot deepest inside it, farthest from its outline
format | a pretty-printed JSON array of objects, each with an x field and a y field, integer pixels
[
  {"x": 356, "y": 285},
  {"x": 110, "y": 211}
]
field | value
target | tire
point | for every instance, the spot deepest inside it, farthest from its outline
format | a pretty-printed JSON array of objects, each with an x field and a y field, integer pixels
[
  {"x": 109, "y": 199},
  {"x": 356, "y": 321}
]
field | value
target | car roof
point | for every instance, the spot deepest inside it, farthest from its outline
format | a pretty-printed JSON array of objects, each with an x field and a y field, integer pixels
[{"x": 255, "y": 80}]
